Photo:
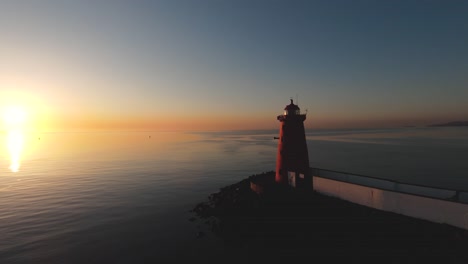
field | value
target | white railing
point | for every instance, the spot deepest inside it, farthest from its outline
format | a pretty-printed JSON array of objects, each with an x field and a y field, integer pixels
[
  {"x": 438, "y": 205},
  {"x": 394, "y": 186}
]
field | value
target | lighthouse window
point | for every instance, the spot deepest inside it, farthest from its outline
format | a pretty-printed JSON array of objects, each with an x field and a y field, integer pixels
[{"x": 292, "y": 178}]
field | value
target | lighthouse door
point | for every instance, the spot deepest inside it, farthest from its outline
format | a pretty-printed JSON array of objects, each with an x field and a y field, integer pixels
[{"x": 292, "y": 178}]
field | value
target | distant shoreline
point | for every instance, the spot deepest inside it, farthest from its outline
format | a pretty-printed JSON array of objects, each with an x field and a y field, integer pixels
[{"x": 451, "y": 124}]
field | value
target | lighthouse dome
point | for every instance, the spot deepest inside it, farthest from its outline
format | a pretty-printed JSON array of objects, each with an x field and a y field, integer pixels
[{"x": 292, "y": 109}]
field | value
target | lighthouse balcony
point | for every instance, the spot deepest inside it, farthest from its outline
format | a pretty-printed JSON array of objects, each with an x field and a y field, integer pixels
[{"x": 301, "y": 117}]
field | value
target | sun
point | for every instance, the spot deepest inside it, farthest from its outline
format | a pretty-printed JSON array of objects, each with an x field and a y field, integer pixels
[{"x": 14, "y": 117}]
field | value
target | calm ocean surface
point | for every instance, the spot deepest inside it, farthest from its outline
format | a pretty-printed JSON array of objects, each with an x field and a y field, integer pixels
[{"x": 125, "y": 197}]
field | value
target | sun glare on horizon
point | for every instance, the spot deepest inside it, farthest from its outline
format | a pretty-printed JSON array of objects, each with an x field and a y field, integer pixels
[{"x": 14, "y": 117}]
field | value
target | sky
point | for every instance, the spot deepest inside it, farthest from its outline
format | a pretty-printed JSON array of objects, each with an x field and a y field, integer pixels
[{"x": 218, "y": 64}]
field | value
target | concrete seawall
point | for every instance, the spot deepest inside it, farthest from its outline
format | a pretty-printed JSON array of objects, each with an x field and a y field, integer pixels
[{"x": 423, "y": 202}]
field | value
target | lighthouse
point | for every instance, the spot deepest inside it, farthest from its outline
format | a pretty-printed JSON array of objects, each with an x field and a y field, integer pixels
[{"x": 292, "y": 159}]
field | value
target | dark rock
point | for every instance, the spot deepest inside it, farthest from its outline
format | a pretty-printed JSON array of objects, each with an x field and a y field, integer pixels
[{"x": 200, "y": 234}]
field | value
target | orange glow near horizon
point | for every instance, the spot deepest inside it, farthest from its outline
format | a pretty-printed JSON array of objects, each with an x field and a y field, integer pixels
[
  {"x": 30, "y": 113},
  {"x": 88, "y": 122},
  {"x": 162, "y": 123}
]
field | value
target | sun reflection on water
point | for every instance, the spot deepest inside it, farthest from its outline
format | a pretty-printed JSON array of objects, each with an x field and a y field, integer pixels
[
  {"x": 15, "y": 119},
  {"x": 15, "y": 143}
]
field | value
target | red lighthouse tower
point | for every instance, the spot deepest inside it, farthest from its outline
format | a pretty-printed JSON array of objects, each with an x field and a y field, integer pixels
[{"x": 292, "y": 160}]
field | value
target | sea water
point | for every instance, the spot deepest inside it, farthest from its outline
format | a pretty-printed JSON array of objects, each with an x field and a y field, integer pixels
[{"x": 125, "y": 197}]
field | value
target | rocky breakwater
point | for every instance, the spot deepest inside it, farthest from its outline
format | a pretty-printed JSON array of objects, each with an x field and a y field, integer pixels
[{"x": 286, "y": 224}]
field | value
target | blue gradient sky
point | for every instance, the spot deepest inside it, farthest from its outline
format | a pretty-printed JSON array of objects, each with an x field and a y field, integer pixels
[{"x": 235, "y": 64}]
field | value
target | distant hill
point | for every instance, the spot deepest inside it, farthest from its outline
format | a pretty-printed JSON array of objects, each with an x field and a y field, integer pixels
[{"x": 451, "y": 124}]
